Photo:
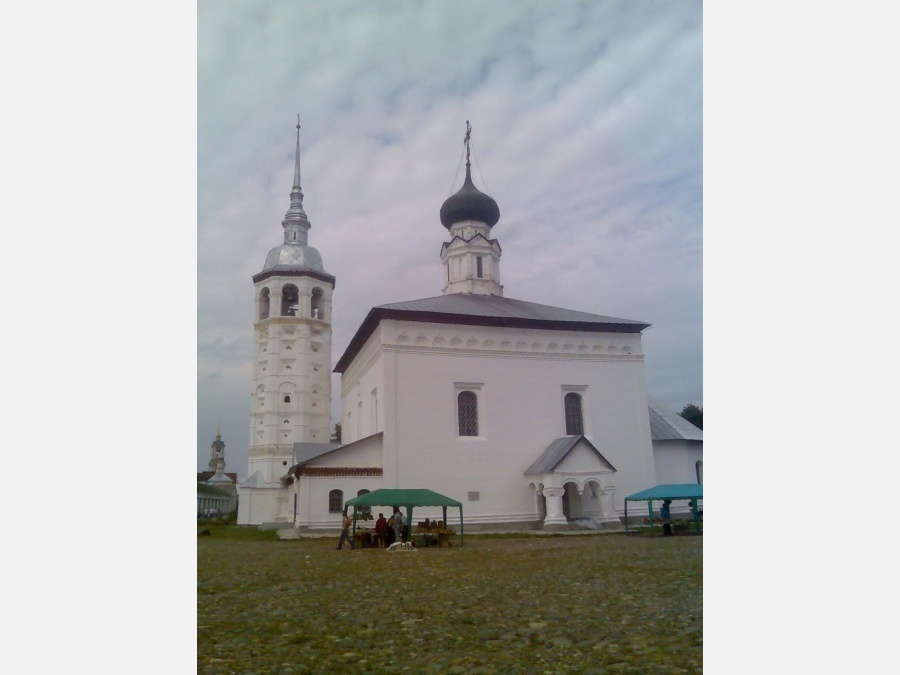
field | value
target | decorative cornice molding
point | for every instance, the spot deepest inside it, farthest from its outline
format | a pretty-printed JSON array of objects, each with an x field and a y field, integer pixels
[
  {"x": 327, "y": 278},
  {"x": 337, "y": 471},
  {"x": 512, "y": 353}
]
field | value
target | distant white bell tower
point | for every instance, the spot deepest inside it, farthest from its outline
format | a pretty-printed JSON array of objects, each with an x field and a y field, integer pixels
[{"x": 290, "y": 400}]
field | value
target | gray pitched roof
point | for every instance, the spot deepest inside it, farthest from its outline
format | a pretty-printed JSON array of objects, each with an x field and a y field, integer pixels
[
  {"x": 204, "y": 489},
  {"x": 668, "y": 425},
  {"x": 494, "y": 306},
  {"x": 556, "y": 452},
  {"x": 485, "y": 310},
  {"x": 303, "y": 452}
]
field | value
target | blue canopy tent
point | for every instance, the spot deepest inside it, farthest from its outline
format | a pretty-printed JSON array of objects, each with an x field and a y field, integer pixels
[{"x": 679, "y": 491}]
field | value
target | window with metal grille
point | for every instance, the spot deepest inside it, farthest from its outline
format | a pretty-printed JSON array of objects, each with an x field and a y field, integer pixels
[
  {"x": 467, "y": 407},
  {"x": 364, "y": 510},
  {"x": 574, "y": 419},
  {"x": 336, "y": 501}
]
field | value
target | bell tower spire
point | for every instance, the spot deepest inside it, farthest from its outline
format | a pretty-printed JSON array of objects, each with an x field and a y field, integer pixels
[{"x": 296, "y": 223}]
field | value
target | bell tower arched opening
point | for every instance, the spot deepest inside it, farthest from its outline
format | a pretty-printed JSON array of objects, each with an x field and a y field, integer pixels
[
  {"x": 264, "y": 304},
  {"x": 290, "y": 297},
  {"x": 316, "y": 305}
]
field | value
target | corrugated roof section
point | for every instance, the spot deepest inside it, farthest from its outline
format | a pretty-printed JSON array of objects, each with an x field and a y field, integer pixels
[
  {"x": 556, "y": 452},
  {"x": 494, "y": 306},
  {"x": 552, "y": 455},
  {"x": 668, "y": 425},
  {"x": 304, "y": 452}
]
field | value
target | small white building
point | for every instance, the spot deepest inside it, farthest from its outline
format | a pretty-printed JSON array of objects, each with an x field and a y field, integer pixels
[
  {"x": 530, "y": 415},
  {"x": 677, "y": 447}
]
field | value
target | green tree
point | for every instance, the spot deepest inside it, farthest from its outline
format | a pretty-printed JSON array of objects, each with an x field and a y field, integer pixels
[
  {"x": 336, "y": 434},
  {"x": 693, "y": 414}
]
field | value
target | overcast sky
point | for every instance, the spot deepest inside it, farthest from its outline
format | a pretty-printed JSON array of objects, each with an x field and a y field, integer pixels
[
  {"x": 588, "y": 134},
  {"x": 587, "y": 131}
]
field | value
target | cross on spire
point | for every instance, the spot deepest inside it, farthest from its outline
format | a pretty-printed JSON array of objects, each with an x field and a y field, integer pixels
[{"x": 467, "y": 139}]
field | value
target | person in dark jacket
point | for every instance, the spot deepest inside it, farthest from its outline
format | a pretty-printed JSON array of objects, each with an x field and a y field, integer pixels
[
  {"x": 381, "y": 528},
  {"x": 666, "y": 518}
]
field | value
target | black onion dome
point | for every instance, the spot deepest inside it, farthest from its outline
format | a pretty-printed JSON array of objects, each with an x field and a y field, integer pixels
[{"x": 469, "y": 204}]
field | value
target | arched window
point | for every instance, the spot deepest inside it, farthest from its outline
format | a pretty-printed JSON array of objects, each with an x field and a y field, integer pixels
[
  {"x": 574, "y": 418},
  {"x": 264, "y": 304},
  {"x": 698, "y": 467},
  {"x": 315, "y": 305},
  {"x": 467, "y": 407},
  {"x": 289, "y": 299},
  {"x": 336, "y": 501},
  {"x": 287, "y": 398},
  {"x": 365, "y": 510}
]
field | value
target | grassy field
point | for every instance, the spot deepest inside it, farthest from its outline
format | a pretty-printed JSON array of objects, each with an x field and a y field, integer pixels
[{"x": 565, "y": 604}]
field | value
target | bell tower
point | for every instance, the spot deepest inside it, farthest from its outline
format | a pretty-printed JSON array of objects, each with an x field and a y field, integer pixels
[{"x": 290, "y": 401}]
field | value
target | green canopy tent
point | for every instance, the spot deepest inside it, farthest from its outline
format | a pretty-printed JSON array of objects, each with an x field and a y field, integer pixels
[
  {"x": 408, "y": 499},
  {"x": 683, "y": 491}
]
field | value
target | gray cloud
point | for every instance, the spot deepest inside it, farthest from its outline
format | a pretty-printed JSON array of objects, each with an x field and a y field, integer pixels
[{"x": 588, "y": 132}]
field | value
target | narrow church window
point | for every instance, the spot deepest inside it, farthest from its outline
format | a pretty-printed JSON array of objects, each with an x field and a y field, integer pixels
[
  {"x": 336, "y": 501},
  {"x": 480, "y": 270},
  {"x": 264, "y": 304},
  {"x": 699, "y": 468},
  {"x": 316, "y": 304},
  {"x": 287, "y": 399},
  {"x": 467, "y": 407},
  {"x": 574, "y": 419}
]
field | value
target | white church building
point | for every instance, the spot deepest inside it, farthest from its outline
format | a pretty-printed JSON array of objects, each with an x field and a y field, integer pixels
[{"x": 532, "y": 416}]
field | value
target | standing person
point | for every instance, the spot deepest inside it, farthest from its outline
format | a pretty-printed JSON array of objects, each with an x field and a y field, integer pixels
[
  {"x": 381, "y": 527},
  {"x": 389, "y": 535},
  {"x": 666, "y": 518},
  {"x": 399, "y": 526},
  {"x": 345, "y": 532}
]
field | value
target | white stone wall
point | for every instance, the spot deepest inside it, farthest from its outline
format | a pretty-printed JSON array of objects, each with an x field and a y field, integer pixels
[
  {"x": 520, "y": 377},
  {"x": 292, "y": 359},
  {"x": 260, "y": 505},
  {"x": 471, "y": 240},
  {"x": 363, "y": 393},
  {"x": 676, "y": 461}
]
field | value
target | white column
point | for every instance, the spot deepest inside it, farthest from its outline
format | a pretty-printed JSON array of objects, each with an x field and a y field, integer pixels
[
  {"x": 607, "y": 507},
  {"x": 555, "y": 514}
]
